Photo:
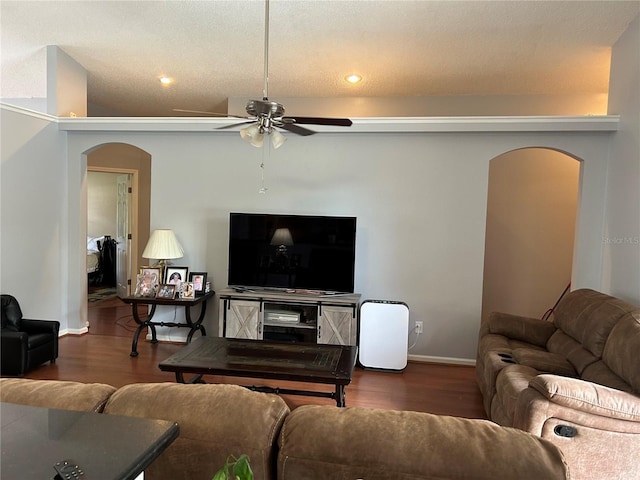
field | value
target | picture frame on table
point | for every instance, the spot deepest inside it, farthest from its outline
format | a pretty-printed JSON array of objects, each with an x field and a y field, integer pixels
[
  {"x": 148, "y": 270},
  {"x": 166, "y": 291},
  {"x": 187, "y": 292},
  {"x": 176, "y": 275},
  {"x": 199, "y": 280},
  {"x": 146, "y": 285}
]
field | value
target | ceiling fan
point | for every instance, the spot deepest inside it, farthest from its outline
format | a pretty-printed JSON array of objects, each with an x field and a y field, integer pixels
[{"x": 266, "y": 116}]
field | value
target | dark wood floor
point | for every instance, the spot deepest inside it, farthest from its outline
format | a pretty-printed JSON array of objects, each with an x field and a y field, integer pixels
[{"x": 103, "y": 356}]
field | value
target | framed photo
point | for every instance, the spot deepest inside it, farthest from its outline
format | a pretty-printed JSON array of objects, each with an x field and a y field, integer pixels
[
  {"x": 146, "y": 285},
  {"x": 148, "y": 270},
  {"x": 175, "y": 275},
  {"x": 166, "y": 290},
  {"x": 187, "y": 292},
  {"x": 199, "y": 280}
]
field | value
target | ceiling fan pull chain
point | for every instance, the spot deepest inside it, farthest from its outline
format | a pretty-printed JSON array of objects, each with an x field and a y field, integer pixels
[
  {"x": 262, "y": 189},
  {"x": 265, "y": 154}
]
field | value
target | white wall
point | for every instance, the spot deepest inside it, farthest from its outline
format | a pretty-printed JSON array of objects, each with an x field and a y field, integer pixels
[
  {"x": 33, "y": 230},
  {"x": 102, "y": 203},
  {"x": 66, "y": 84},
  {"x": 420, "y": 200},
  {"x": 621, "y": 237}
]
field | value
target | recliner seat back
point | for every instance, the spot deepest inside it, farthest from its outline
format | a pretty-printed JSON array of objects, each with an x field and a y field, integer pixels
[{"x": 11, "y": 313}]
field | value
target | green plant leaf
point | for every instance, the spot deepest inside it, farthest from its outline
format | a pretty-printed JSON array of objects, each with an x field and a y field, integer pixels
[
  {"x": 222, "y": 474},
  {"x": 242, "y": 469}
]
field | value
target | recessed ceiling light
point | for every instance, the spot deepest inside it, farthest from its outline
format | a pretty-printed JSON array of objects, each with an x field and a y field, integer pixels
[
  {"x": 166, "y": 81},
  {"x": 354, "y": 78}
]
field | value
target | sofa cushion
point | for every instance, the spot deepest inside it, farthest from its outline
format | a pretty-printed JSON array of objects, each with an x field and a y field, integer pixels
[
  {"x": 322, "y": 442},
  {"x": 575, "y": 353},
  {"x": 215, "y": 421},
  {"x": 621, "y": 351},
  {"x": 546, "y": 362},
  {"x": 84, "y": 397},
  {"x": 588, "y": 316},
  {"x": 601, "y": 374}
]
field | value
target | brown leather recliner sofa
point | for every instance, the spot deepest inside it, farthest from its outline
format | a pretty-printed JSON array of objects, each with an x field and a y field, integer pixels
[
  {"x": 574, "y": 381},
  {"x": 311, "y": 442}
]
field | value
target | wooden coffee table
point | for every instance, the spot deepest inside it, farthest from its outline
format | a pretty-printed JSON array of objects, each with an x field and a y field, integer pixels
[{"x": 298, "y": 362}]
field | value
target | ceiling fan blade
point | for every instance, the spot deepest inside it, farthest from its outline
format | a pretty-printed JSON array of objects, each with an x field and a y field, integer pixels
[
  {"x": 231, "y": 125},
  {"x": 340, "y": 122},
  {"x": 200, "y": 111},
  {"x": 213, "y": 114},
  {"x": 305, "y": 132}
]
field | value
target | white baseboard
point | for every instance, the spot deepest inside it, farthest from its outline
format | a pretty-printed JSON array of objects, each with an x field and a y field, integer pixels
[
  {"x": 72, "y": 331},
  {"x": 176, "y": 337},
  {"x": 444, "y": 360}
]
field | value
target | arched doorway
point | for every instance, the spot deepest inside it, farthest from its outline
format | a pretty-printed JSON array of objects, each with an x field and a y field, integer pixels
[
  {"x": 128, "y": 168},
  {"x": 530, "y": 231}
]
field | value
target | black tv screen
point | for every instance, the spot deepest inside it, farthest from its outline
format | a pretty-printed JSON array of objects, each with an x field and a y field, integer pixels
[{"x": 292, "y": 251}]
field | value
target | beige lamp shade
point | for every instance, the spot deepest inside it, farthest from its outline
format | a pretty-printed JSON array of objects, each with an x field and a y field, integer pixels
[
  {"x": 282, "y": 236},
  {"x": 163, "y": 245}
]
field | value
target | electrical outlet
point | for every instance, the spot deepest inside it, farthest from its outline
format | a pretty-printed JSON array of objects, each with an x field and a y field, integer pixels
[{"x": 418, "y": 327}]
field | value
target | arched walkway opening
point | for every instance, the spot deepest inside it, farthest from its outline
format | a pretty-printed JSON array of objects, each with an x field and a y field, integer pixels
[{"x": 530, "y": 235}]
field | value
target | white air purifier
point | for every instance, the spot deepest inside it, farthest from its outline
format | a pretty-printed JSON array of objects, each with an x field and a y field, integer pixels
[{"x": 384, "y": 335}]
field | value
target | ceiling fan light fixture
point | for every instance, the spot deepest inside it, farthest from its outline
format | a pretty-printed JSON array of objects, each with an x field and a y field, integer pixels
[
  {"x": 277, "y": 139},
  {"x": 253, "y": 134},
  {"x": 353, "y": 78}
]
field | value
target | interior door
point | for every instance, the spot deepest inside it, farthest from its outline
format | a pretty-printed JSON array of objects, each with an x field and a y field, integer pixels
[{"x": 123, "y": 239}]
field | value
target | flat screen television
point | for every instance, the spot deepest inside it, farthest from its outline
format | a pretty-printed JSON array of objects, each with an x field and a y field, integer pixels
[{"x": 300, "y": 252}]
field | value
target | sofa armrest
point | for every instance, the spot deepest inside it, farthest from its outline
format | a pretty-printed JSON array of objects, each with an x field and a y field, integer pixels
[
  {"x": 588, "y": 397},
  {"x": 526, "y": 329},
  {"x": 40, "y": 326},
  {"x": 597, "y": 428}
]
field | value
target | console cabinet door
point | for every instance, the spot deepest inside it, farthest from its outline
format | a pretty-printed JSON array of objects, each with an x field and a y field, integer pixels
[
  {"x": 243, "y": 319},
  {"x": 336, "y": 325}
]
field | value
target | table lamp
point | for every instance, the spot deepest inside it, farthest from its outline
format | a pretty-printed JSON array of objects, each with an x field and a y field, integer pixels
[
  {"x": 162, "y": 246},
  {"x": 282, "y": 239}
]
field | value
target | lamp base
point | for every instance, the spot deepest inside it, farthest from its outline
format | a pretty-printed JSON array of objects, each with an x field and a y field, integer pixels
[{"x": 163, "y": 264}]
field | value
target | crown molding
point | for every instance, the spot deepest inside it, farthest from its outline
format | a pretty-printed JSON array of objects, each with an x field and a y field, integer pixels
[
  {"x": 595, "y": 123},
  {"x": 28, "y": 112}
]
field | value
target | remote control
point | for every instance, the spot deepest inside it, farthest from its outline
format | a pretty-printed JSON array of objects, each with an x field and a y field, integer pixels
[{"x": 67, "y": 469}]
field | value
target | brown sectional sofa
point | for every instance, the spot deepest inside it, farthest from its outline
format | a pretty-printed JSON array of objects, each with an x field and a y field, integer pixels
[
  {"x": 310, "y": 442},
  {"x": 574, "y": 381}
]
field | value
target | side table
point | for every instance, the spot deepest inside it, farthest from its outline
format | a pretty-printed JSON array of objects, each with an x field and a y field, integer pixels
[{"x": 154, "y": 302}]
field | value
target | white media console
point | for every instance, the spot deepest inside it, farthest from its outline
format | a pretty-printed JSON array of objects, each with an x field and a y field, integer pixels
[{"x": 298, "y": 315}]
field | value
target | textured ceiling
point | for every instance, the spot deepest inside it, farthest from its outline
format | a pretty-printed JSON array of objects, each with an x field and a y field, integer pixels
[{"x": 214, "y": 49}]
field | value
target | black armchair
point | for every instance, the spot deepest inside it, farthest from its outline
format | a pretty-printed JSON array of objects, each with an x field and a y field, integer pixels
[{"x": 26, "y": 343}]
